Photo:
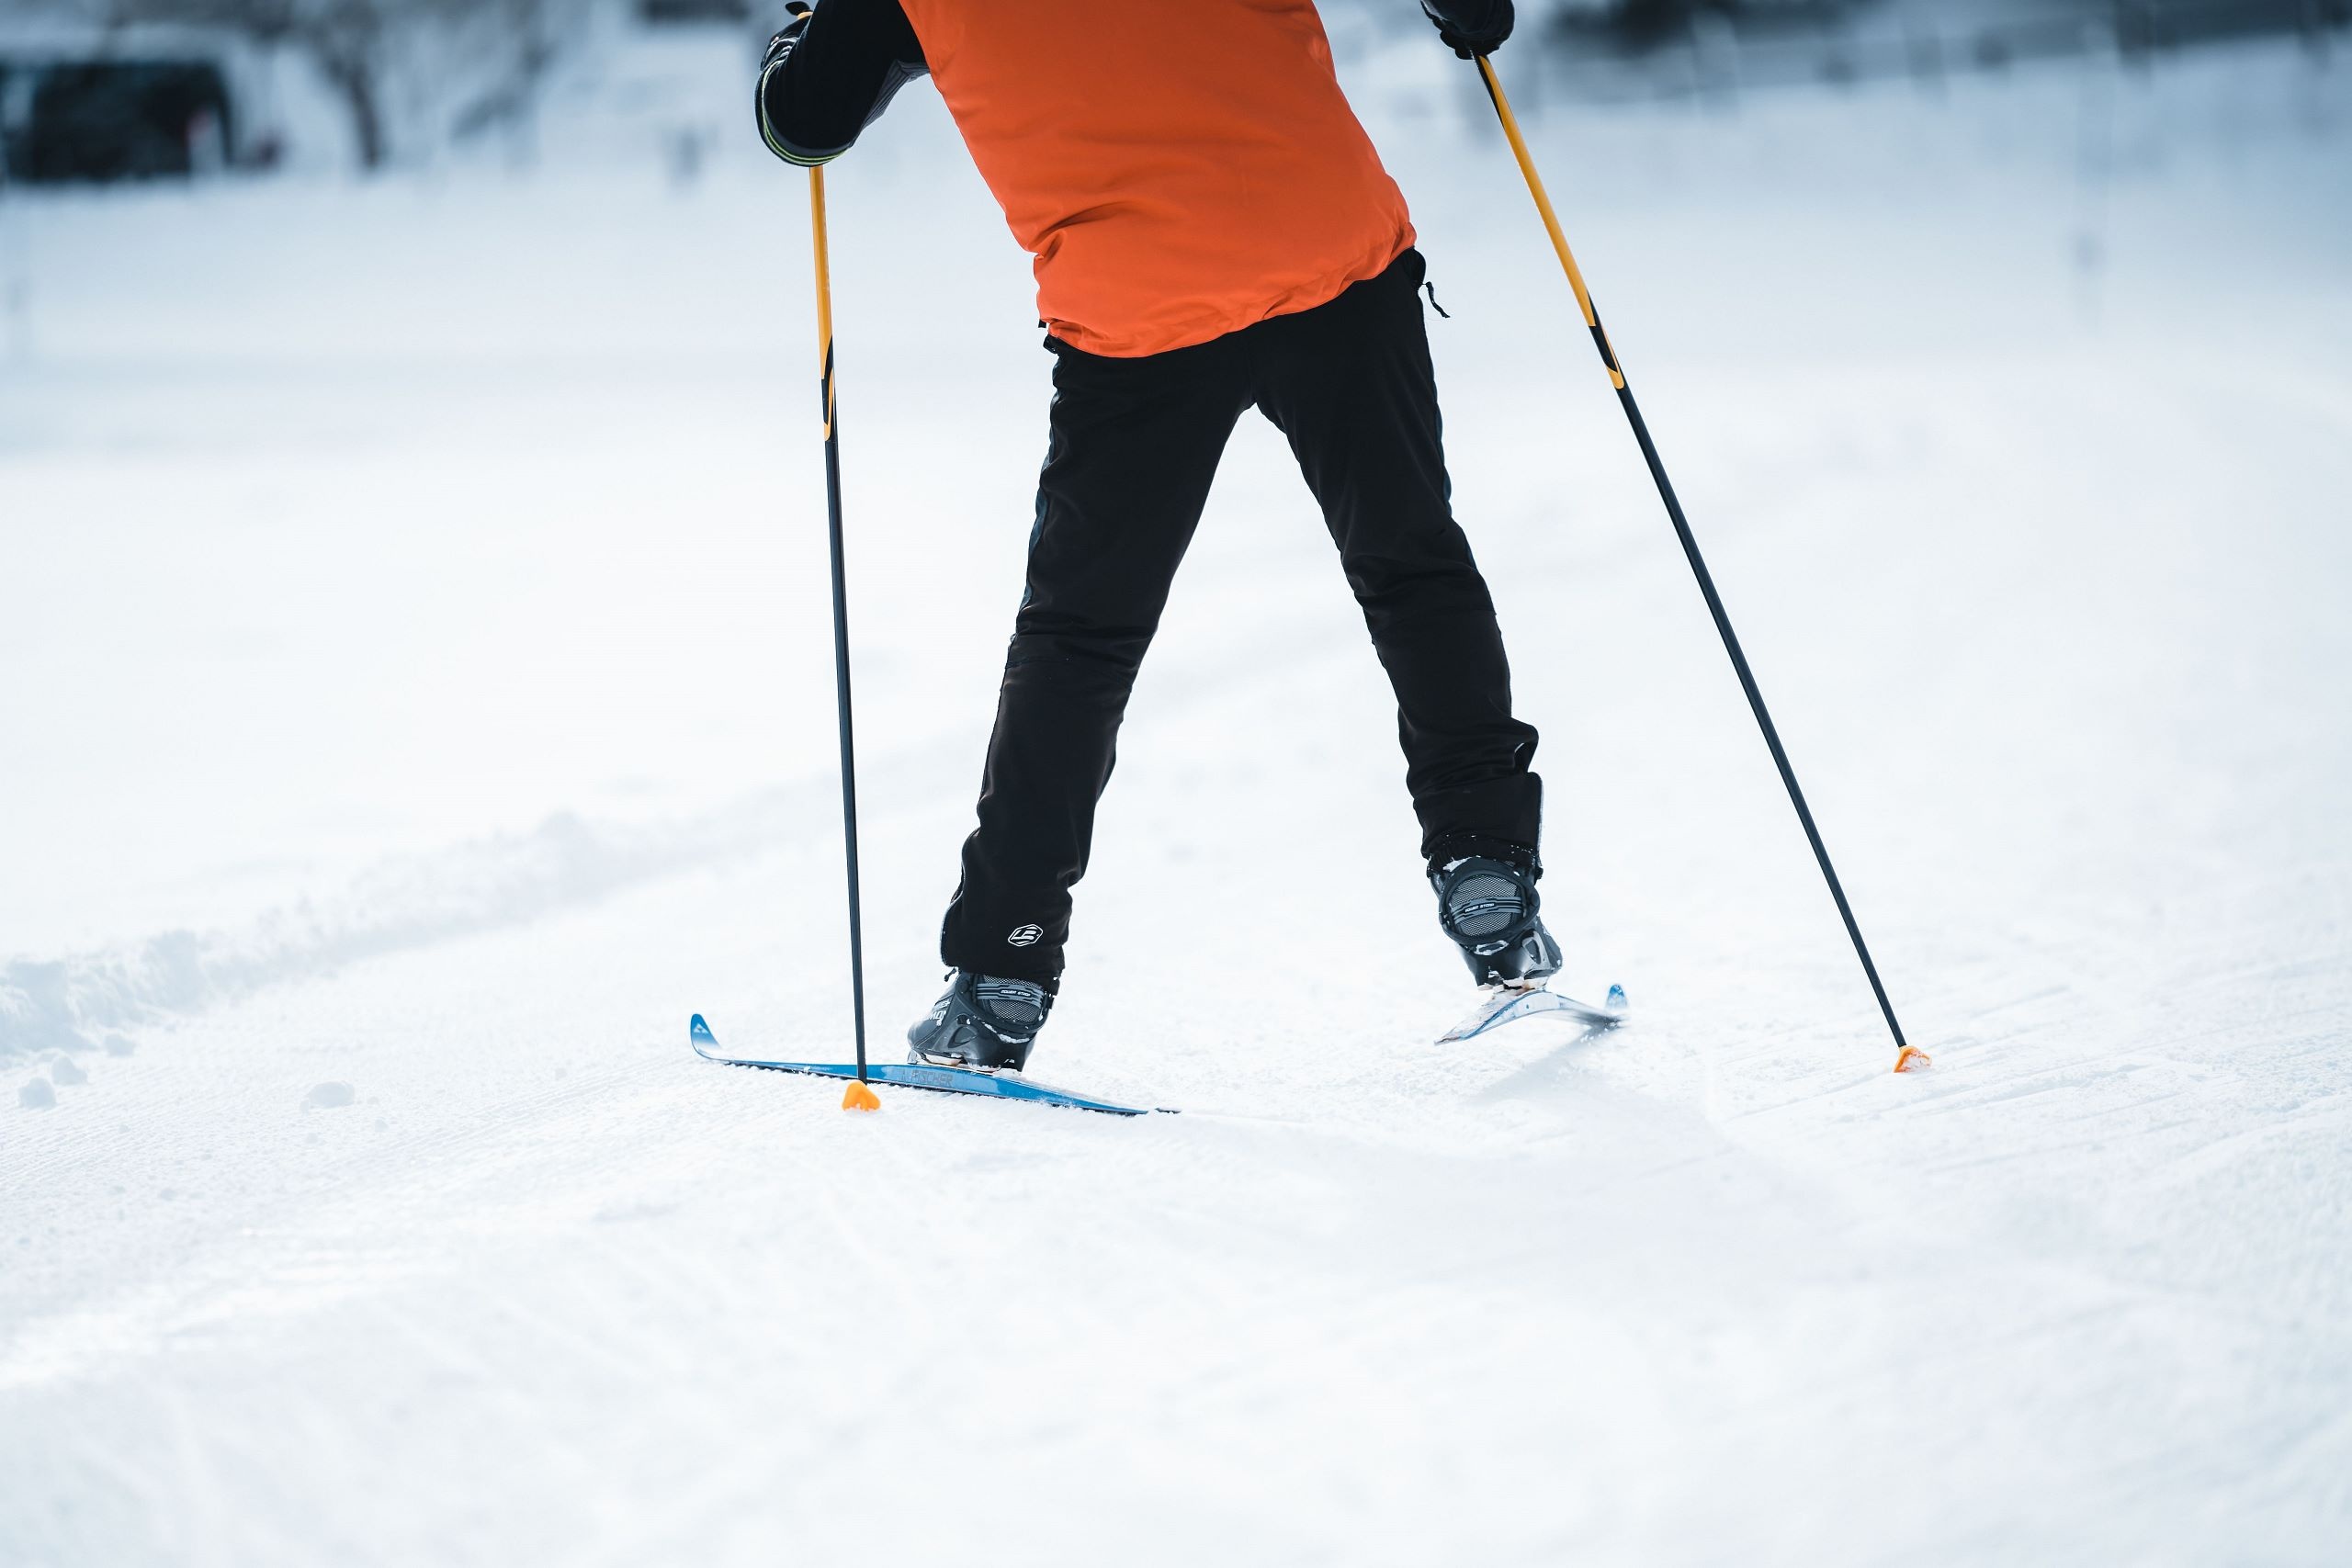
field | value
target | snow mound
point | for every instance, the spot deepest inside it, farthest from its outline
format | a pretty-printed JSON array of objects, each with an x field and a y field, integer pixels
[{"x": 402, "y": 904}]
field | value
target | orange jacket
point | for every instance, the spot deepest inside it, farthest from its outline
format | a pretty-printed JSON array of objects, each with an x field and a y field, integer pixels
[{"x": 1178, "y": 168}]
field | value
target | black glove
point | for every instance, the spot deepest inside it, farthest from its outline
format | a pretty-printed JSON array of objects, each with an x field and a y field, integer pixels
[
  {"x": 1470, "y": 27},
  {"x": 787, "y": 38},
  {"x": 813, "y": 107}
]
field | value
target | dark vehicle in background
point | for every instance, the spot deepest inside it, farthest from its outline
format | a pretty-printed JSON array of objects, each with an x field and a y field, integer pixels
[{"x": 99, "y": 120}]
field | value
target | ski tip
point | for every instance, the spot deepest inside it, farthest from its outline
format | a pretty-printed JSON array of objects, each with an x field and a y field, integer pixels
[
  {"x": 1615, "y": 1000},
  {"x": 1911, "y": 1059},
  {"x": 700, "y": 1033}
]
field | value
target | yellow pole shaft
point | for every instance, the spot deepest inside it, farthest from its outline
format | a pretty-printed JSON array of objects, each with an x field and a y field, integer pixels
[
  {"x": 824, "y": 291},
  {"x": 1543, "y": 206}
]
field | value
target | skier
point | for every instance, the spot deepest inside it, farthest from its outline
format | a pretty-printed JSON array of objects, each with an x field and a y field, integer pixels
[{"x": 1213, "y": 231}]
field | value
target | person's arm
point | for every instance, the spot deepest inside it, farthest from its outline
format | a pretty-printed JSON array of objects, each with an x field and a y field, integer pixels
[
  {"x": 1470, "y": 27},
  {"x": 830, "y": 72}
]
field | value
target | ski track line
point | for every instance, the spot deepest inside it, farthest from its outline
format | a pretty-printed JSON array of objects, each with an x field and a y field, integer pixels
[{"x": 67, "y": 1002}]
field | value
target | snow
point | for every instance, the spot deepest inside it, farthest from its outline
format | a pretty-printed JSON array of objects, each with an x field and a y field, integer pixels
[{"x": 419, "y": 695}]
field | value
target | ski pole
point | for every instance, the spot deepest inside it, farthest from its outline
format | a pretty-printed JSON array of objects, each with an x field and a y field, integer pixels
[
  {"x": 1905, "y": 1054},
  {"x": 857, "y": 1096}
]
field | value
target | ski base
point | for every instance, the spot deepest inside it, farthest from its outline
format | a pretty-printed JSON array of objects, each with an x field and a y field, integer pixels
[
  {"x": 1509, "y": 1005},
  {"x": 913, "y": 1075}
]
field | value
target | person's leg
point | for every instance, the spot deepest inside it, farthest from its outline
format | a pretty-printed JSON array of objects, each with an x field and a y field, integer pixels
[
  {"x": 1350, "y": 384},
  {"x": 1134, "y": 446}
]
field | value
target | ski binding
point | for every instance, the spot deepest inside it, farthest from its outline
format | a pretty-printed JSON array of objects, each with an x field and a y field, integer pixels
[
  {"x": 1507, "y": 1004},
  {"x": 913, "y": 1075}
]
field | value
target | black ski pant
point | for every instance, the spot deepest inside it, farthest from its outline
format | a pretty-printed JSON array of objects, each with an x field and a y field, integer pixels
[{"x": 1134, "y": 446}]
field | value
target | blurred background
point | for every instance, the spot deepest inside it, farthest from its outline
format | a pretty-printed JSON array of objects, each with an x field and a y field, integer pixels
[{"x": 139, "y": 89}]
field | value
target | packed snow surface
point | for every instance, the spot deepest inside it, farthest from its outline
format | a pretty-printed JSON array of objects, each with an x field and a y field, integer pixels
[{"x": 418, "y": 701}]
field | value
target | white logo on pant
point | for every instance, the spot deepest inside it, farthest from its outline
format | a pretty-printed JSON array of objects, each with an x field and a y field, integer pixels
[{"x": 1023, "y": 936}]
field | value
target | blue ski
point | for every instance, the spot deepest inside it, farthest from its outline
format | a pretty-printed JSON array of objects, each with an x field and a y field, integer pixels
[
  {"x": 910, "y": 1075},
  {"x": 1508, "y": 1005}
]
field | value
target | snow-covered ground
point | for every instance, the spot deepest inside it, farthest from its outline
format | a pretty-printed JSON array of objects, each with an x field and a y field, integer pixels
[{"x": 417, "y": 700}]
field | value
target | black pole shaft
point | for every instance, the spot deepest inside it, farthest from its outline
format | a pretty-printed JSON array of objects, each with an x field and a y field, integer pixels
[
  {"x": 1755, "y": 696},
  {"x": 827, "y": 402},
  {"x": 841, "y": 702}
]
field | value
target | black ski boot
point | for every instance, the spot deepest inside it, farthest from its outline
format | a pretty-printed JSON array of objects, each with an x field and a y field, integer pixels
[
  {"x": 1488, "y": 906},
  {"x": 983, "y": 1023}
]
